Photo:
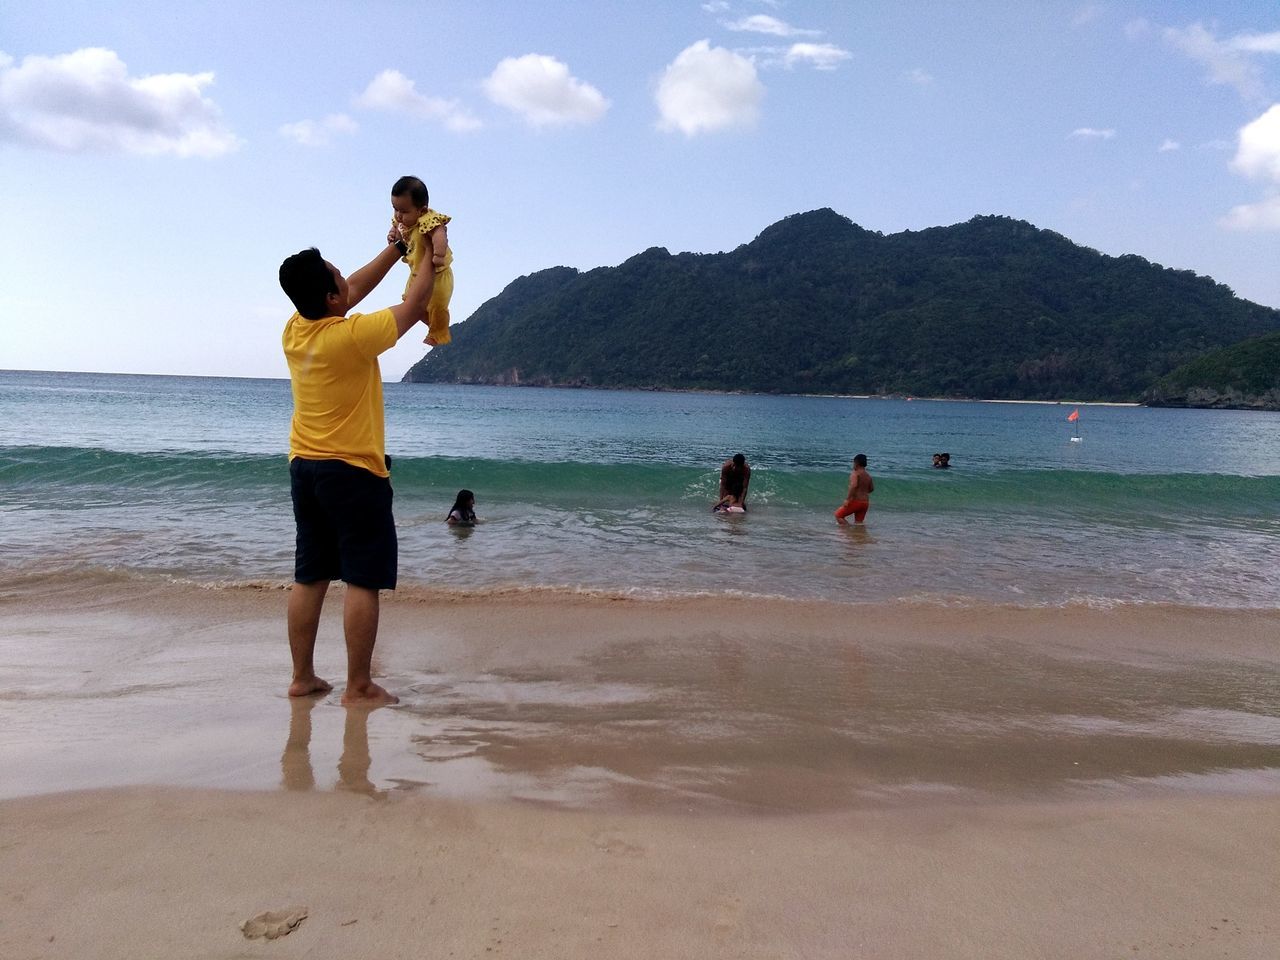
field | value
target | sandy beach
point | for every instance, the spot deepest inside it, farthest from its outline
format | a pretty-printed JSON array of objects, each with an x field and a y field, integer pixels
[{"x": 585, "y": 776}]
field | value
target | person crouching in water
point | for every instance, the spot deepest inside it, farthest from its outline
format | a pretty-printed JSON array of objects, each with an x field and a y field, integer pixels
[
  {"x": 463, "y": 511},
  {"x": 735, "y": 478}
]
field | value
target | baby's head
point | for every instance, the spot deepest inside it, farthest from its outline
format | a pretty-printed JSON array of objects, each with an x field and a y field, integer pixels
[{"x": 409, "y": 199}]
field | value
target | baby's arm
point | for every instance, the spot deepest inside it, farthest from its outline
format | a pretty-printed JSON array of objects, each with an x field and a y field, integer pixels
[{"x": 439, "y": 244}]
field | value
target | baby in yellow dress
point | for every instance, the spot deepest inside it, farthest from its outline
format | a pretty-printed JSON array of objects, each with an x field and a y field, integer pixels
[{"x": 423, "y": 232}]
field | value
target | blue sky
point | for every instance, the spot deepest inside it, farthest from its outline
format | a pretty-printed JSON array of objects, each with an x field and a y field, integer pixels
[{"x": 159, "y": 159}]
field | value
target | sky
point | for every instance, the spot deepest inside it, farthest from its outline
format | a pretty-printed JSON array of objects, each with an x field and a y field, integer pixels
[{"x": 159, "y": 159}]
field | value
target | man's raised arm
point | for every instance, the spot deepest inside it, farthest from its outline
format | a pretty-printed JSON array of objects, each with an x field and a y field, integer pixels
[
  {"x": 414, "y": 306},
  {"x": 361, "y": 283}
]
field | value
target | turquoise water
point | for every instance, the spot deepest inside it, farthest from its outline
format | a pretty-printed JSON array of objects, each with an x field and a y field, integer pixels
[{"x": 610, "y": 491}]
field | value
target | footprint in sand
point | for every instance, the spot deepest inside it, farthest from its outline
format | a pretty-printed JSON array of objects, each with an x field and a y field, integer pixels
[
  {"x": 728, "y": 917},
  {"x": 616, "y": 846},
  {"x": 273, "y": 923}
]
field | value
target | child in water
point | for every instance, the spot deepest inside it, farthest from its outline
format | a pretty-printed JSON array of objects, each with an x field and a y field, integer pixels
[
  {"x": 426, "y": 240},
  {"x": 463, "y": 512}
]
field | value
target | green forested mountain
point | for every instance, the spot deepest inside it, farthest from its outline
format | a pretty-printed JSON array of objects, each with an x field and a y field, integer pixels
[
  {"x": 991, "y": 308},
  {"x": 1246, "y": 375}
]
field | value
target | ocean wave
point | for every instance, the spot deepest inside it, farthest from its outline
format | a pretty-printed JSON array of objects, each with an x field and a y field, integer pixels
[{"x": 57, "y": 473}]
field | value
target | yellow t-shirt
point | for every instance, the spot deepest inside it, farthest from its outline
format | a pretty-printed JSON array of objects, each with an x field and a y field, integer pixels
[{"x": 337, "y": 387}]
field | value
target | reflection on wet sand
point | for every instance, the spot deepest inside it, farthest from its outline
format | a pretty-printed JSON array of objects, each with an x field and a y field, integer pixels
[
  {"x": 722, "y": 723},
  {"x": 297, "y": 772},
  {"x": 721, "y": 720},
  {"x": 711, "y": 703}
]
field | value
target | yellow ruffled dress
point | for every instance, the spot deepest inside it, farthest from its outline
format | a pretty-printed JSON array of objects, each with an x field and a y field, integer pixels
[{"x": 419, "y": 241}]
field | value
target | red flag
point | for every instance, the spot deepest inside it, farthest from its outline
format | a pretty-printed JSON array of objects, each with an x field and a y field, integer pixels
[{"x": 1073, "y": 416}]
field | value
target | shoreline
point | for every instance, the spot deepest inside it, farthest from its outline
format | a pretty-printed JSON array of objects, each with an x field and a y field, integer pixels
[
  {"x": 25, "y": 582},
  {"x": 778, "y": 393}
]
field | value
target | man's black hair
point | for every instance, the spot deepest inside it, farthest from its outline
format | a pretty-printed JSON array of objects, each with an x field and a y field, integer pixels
[
  {"x": 860, "y": 460},
  {"x": 739, "y": 460},
  {"x": 415, "y": 188},
  {"x": 307, "y": 280}
]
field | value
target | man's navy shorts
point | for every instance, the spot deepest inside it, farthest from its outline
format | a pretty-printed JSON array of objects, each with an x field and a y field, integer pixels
[{"x": 345, "y": 528}]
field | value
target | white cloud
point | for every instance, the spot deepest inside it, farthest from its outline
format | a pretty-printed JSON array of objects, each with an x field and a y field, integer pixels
[
  {"x": 542, "y": 91},
  {"x": 716, "y": 6},
  {"x": 763, "y": 23},
  {"x": 708, "y": 88},
  {"x": 1256, "y": 42},
  {"x": 1258, "y": 153},
  {"x": 1229, "y": 62},
  {"x": 86, "y": 101},
  {"x": 1263, "y": 215},
  {"x": 820, "y": 56},
  {"x": 920, "y": 77},
  {"x": 393, "y": 92},
  {"x": 1258, "y": 157},
  {"x": 1092, "y": 133},
  {"x": 319, "y": 133},
  {"x": 1168, "y": 146},
  {"x": 823, "y": 56}
]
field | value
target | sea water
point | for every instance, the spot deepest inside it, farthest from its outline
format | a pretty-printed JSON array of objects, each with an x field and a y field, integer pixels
[{"x": 610, "y": 492}]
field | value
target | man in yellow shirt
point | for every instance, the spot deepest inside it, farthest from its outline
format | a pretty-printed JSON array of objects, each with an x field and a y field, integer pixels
[{"x": 338, "y": 473}]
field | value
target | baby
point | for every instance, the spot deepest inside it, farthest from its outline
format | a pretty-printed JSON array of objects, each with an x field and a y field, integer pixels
[{"x": 426, "y": 239}]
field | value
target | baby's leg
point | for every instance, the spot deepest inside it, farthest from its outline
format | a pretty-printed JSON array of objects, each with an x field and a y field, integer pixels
[
  {"x": 438, "y": 310},
  {"x": 437, "y": 327}
]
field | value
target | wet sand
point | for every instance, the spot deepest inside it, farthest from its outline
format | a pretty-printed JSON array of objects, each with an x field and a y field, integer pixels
[{"x": 583, "y": 776}]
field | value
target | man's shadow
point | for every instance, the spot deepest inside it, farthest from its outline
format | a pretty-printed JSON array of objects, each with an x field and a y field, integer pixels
[{"x": 296, "y": 771}]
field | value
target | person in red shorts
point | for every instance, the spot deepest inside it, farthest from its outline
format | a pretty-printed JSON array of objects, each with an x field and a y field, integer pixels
[{"x": 858, "y": 500}]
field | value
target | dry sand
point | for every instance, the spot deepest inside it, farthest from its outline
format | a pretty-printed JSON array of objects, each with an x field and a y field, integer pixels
[
  {"x": 581, "y": 777},
  {"x": 167, "y": 873}
]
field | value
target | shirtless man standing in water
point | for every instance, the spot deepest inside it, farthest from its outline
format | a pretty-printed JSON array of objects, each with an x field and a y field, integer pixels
[{"x": 858, "y": 500}]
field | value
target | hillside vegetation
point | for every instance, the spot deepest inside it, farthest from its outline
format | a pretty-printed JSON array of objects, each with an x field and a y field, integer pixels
[
  {"x": 993, "y": 308},
  {"x": 1243, "y": 376}
]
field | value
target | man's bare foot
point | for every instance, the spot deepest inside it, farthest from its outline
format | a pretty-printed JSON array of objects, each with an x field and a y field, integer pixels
[
  {"x": 368, "y": 695},
  {"x": 306, "y": 686},
  {"x": 431, "y": 342}
]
